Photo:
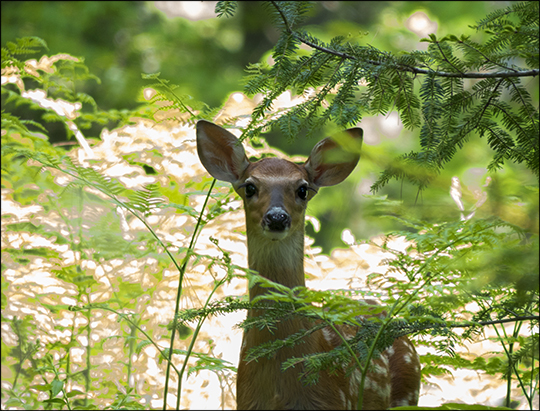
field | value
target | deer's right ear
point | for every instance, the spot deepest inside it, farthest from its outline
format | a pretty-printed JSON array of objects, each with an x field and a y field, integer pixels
[
  {"x": 220, "y": 152},
  {"x": 330, "y": 161}
]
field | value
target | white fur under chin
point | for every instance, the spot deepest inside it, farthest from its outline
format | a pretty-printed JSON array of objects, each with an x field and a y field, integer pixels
[{"x": 276, "y": 235}]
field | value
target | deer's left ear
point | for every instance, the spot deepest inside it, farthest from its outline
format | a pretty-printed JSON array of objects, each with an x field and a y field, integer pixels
[{"x": 334, "y": 158}]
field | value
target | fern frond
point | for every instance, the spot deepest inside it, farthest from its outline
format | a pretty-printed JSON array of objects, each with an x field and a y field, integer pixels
[
  {"x": 226, "y": 8},
  {"x": 146, "y": 199},
  {"x": 89, "y": 176},
  {"x": 24, "y": 45}
]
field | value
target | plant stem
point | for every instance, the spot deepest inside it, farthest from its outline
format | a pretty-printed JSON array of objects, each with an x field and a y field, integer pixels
[
  {"x": 178, "y": 295},
  {"x": 194, "y": 338}
]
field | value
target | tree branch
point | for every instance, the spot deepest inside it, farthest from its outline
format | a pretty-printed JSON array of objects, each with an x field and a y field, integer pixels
[
  {"x": 503, "y": 321},
  {"x": 415, "y": 70},
  {"x": 411, "y": 328}
]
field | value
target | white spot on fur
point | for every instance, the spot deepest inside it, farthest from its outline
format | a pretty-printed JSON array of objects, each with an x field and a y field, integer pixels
[
  {"x": 378, "y": 369},
  {"x": 354, "y": 381},
  {"x": 386, "y": 391},
  {"x": 327, "y": 335},
  {"x": 357, "y": 376},
  {"x": 343, "y": 398},
  {"x": 369, "y": 385}
]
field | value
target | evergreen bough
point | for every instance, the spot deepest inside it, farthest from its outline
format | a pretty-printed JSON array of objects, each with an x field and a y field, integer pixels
[{"x": 446, "y": 111}]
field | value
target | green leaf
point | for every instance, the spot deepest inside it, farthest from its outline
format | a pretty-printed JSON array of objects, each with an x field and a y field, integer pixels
[
  {"x": 74, "y": 393},
  {"x": 41, "y": 387},
  {"x": 56, "y": 387},
  {"x": 53, "y": 401}
]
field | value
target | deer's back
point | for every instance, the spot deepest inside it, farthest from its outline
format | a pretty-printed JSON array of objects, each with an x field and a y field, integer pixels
[{"x": 393, "y": 379}]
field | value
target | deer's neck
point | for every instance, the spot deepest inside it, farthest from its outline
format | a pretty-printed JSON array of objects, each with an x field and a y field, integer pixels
[{"x": 280, "y": 261}]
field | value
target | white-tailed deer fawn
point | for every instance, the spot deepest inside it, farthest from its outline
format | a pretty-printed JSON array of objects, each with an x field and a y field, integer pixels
[{"x": 276, "y": 193}]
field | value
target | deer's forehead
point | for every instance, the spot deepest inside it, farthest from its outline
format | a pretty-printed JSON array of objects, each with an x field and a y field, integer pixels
[{"x": 277, "y": 169}]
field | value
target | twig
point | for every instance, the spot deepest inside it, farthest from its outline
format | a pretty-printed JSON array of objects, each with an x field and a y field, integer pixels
[
  {"x": 503, "y": 321},
  {"x": 486, "y": 57},
  {"x": 446, "y": 59}
]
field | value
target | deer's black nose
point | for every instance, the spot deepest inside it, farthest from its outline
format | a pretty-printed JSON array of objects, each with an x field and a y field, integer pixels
[{"x": 277, "y": 219}]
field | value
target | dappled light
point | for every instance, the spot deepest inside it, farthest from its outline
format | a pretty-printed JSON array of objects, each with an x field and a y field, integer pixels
[{"x": 420, "y": 24}]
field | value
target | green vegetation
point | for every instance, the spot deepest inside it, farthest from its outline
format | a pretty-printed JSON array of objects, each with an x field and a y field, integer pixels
[{"x": 122, "y": 249}]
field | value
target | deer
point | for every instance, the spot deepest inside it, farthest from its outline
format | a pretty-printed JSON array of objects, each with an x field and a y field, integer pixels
[{"x": 275, "y": 194}]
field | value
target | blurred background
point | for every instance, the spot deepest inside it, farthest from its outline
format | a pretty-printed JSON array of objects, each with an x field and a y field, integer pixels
[{"x": 206, "y": 56}]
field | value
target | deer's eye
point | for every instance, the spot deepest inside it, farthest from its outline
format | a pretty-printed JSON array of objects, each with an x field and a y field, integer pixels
[
  {"x": 250, "y": 190},
  {"x": 302, "y": 192}
]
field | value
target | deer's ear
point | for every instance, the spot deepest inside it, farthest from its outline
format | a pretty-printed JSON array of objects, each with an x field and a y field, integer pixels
[
  {"x": 334, "y": 158},
  {"x": 220, "y": 152}
]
